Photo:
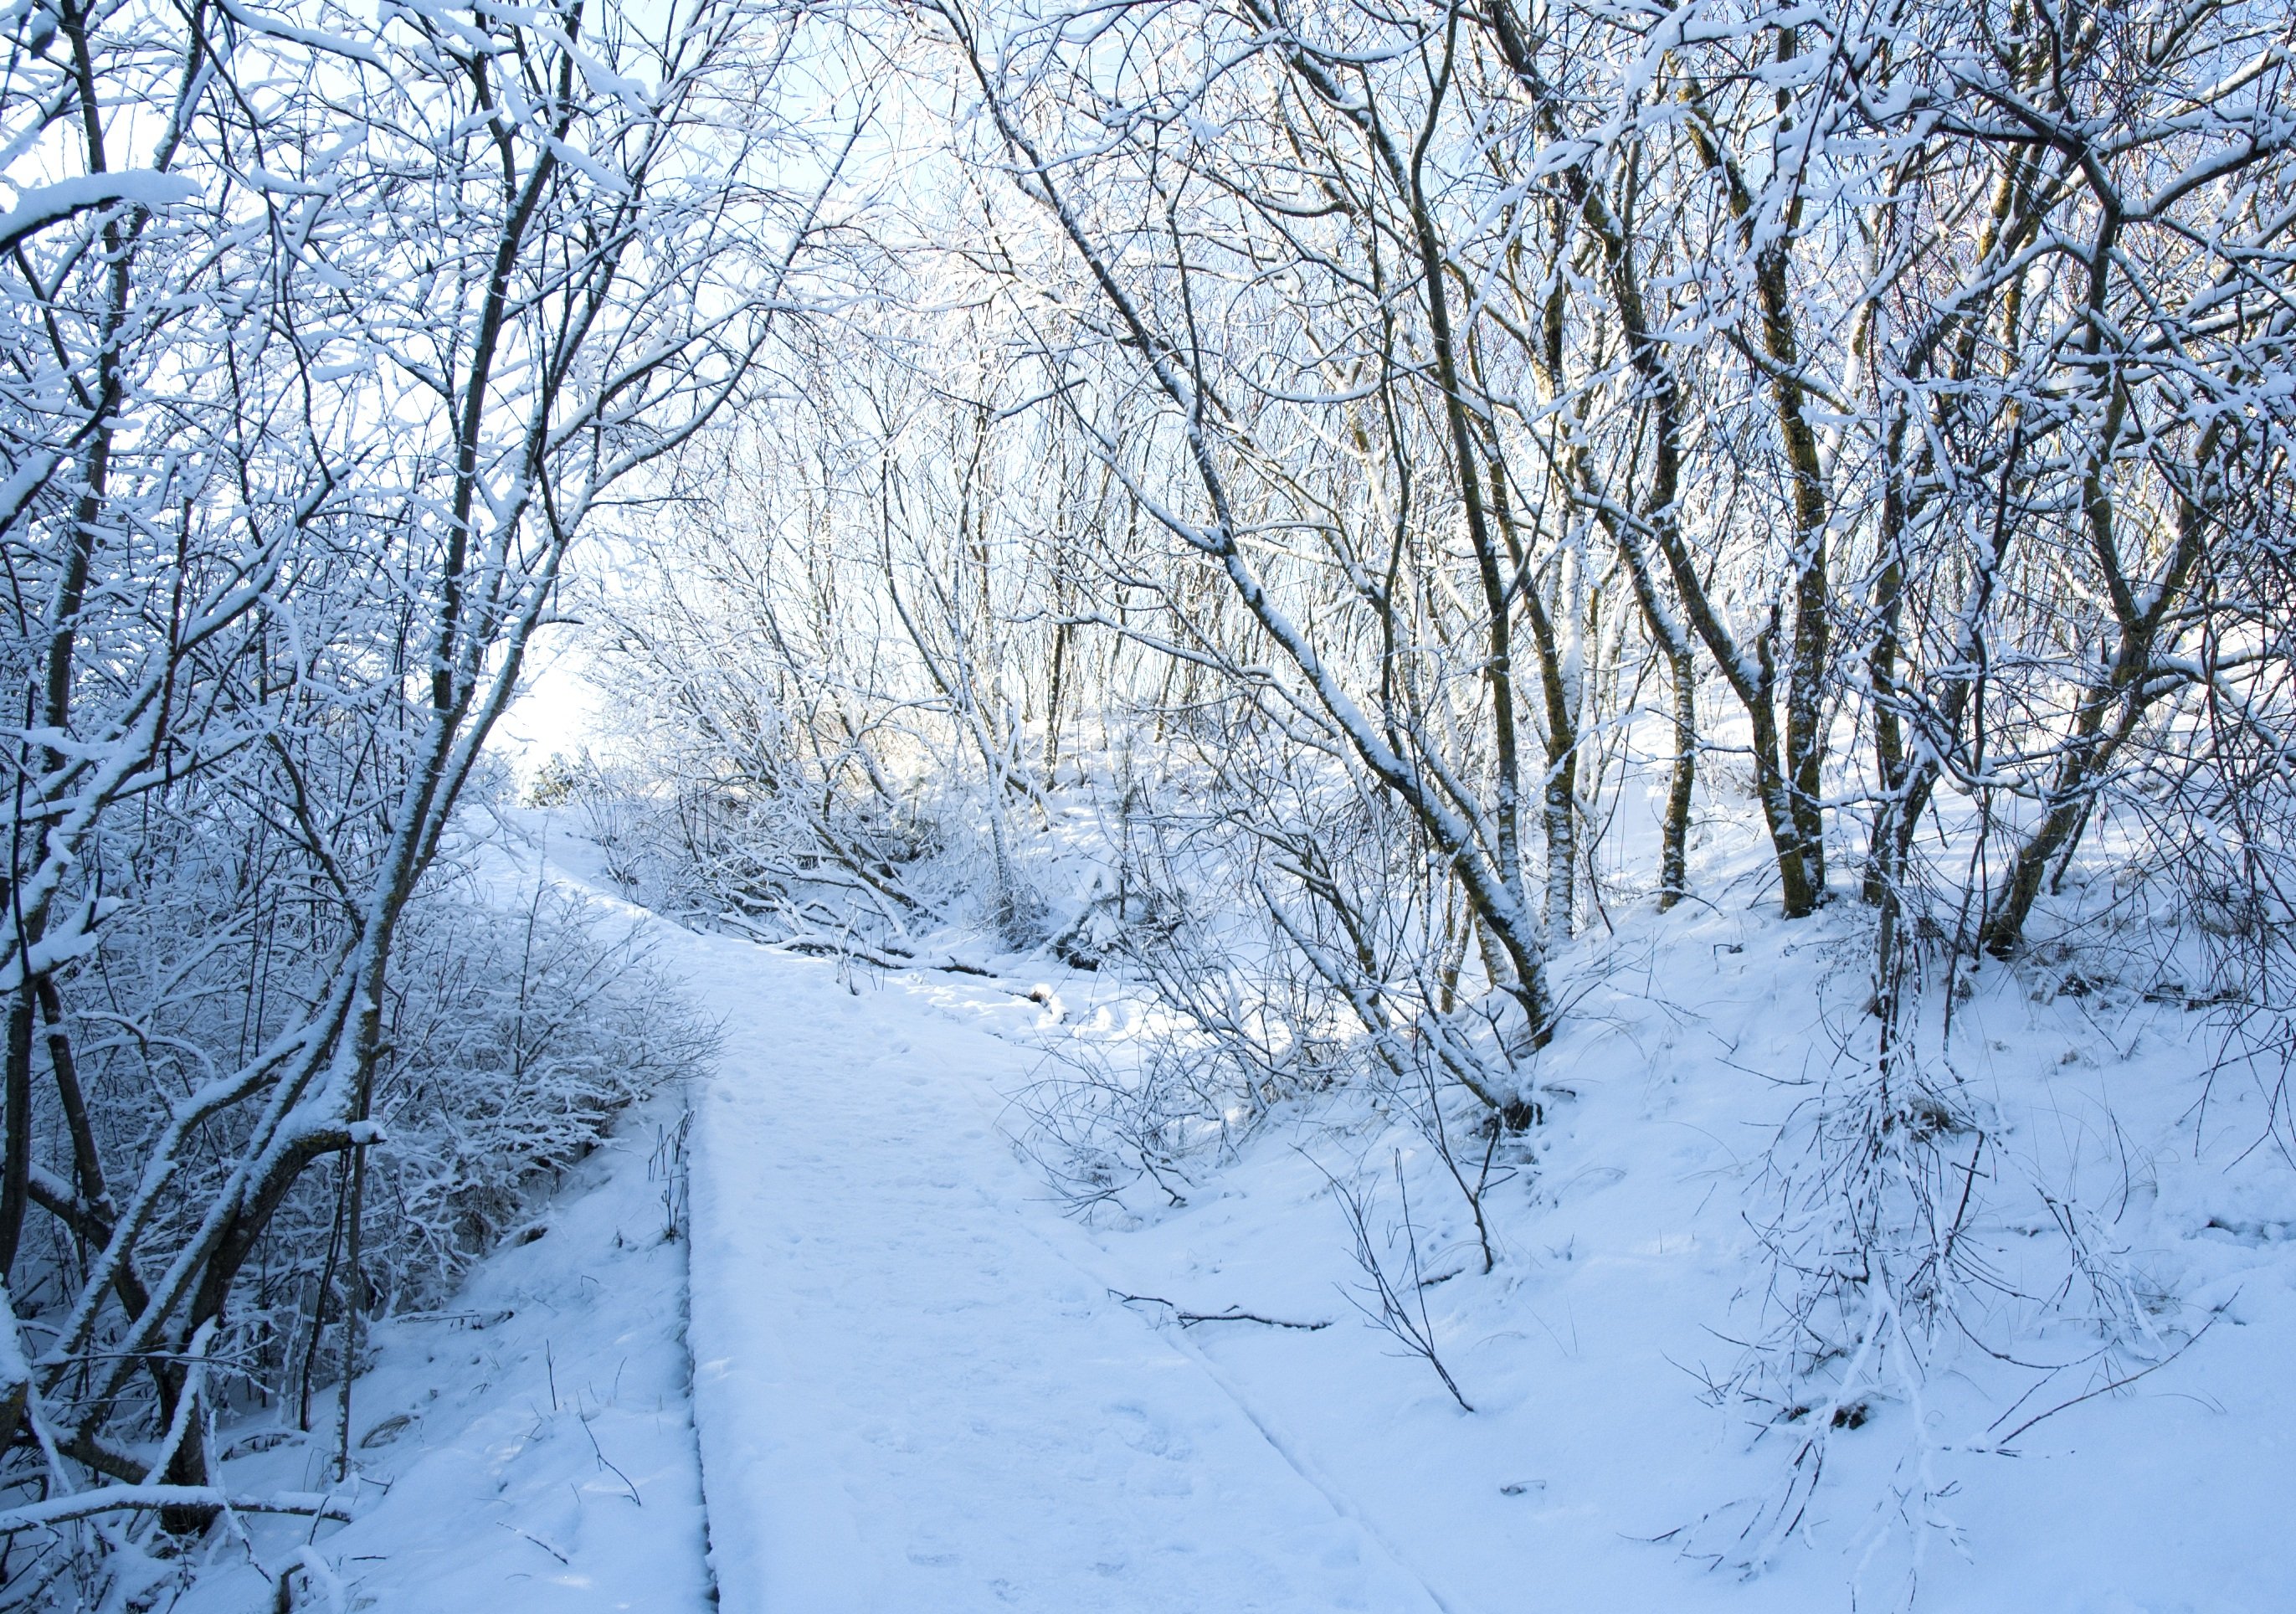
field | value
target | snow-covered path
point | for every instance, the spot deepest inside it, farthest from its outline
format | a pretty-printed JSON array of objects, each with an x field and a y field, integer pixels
[{"x": 913, "y": 1393}]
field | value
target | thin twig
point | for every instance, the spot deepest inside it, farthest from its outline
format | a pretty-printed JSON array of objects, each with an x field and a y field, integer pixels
[{"x": 1189, "y": 1319}]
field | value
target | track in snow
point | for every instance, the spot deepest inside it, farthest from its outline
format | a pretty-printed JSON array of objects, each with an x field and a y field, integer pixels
[{"x": 913, "y": 1396}]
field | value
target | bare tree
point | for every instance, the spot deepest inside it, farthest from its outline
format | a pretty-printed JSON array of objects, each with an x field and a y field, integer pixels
[{"x": 308, "y": 412}]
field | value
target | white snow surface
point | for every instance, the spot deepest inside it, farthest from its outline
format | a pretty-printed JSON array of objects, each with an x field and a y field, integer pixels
[
  {"x": 918, "y": 1390},
  {"x": 529, "y": 1447},
  {"x": 914, "y": 1388}
]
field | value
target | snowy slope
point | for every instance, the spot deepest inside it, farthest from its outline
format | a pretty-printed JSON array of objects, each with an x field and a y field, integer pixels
[
  {"x": 918, "y": 1390},
  {"x": 531, "y": 1449},
  {"x": 1597, "y": 1471}
]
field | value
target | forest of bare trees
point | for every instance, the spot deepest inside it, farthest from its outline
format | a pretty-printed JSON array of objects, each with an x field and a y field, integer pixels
[
  {"x": 1469, "y": 446},
  {"x": 1328, "y": 510},
  {"x": 1339, "y": 511}
]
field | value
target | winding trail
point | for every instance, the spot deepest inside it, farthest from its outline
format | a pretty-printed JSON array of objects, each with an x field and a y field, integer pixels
[{"x": 914, "y": 1397}]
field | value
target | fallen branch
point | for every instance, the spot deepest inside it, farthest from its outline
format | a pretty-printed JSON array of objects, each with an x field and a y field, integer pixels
[
  {"x": 115, "y": 1498},
  {"x": 537, "y": 1541},
  {"x": 814, "y": 947},
  {"x": 1233, "y": 1314}
]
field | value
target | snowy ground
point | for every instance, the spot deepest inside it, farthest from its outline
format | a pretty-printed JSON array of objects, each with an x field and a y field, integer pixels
[
  {"x": 918, "y": 1390},
  {"x": 531, "y": 1449},
  {"x": 914, "y": 1388}
]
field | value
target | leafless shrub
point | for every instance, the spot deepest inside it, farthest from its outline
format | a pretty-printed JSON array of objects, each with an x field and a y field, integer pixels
[{"x": 1393, "y": 1295}]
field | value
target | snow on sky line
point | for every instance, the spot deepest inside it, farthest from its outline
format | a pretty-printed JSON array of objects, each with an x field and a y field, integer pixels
[{"x": 917, "y": 1391}]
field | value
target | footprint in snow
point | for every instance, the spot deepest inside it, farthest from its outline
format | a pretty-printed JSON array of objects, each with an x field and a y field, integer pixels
[{"x": 1147, "y": 1434}]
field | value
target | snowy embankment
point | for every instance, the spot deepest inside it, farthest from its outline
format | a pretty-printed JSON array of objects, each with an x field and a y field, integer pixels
[
  {"x": 531, "y": 1448},
  {"x": 920, "y": 1387}
]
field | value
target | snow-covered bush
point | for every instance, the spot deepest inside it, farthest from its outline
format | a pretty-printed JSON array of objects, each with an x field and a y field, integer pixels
[
  {"x": 515, "y": 1033},
  {"x": 518, "y": 1036}
]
